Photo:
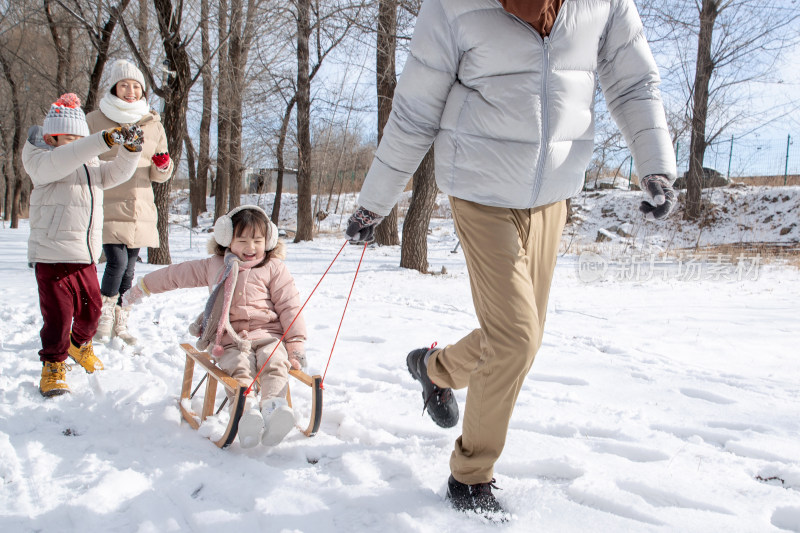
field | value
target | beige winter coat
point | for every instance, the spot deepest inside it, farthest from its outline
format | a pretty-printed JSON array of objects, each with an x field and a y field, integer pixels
[
  {"x": 130, "y": 209},
  {"x": 67, "y": 199},
  {"x": 265, "y": 299}
]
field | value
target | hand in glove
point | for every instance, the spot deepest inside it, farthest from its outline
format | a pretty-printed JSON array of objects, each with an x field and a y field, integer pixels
[
  {"x": 161, "y": 161},
  {"x": 297, "y": 354},
  {"x": 661, "y": 197},
  {"x": 135, "y": 294},
  {"x": 361, "y": 226},
  {"x": 130, "y": 136}
]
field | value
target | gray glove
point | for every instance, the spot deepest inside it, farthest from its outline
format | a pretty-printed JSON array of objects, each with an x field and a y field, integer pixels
[
  {"x": 661, "y": 195},
  {"x": 361, "y": 226}
]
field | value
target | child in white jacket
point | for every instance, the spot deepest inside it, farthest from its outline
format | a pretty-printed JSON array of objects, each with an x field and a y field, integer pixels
[{"x": 66, "y": 220}]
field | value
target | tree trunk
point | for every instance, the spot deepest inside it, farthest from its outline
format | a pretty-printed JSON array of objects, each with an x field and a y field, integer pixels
[
  {"x": 191, "y": 161},
  {"x": 142, "y": 29},
  {"x": 223, "y": 117},
  {"x": 386, "y": 78},
  {"x": 305, "y": 222},
  {"x": 102, "y": 42},
  {"x": 414, "y": 252},
  {"x": 702, "y": 81},
  {"x": 276, "y": 205},
  {"x": 236, "y": 58},
  {"x": 176, "y": 101},
  {"x": 199, "y": 190},
  {"x": 16, "y": 143},
  {"x": 62, "y": 57}
]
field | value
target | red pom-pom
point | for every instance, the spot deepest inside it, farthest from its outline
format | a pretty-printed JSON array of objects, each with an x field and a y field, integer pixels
[{"x": 69, "y": 100}]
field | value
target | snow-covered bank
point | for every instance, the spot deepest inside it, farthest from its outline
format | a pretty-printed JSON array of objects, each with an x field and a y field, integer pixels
[{"x": 656, "y": 404}]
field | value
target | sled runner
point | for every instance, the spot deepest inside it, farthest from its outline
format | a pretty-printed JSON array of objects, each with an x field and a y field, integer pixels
[{"x": 214, "y": 375}]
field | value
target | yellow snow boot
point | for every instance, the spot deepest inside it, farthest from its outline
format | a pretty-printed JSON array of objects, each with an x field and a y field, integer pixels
[
  {"x": 84, "y": 356},
  {"x": 54, "y": 379}
]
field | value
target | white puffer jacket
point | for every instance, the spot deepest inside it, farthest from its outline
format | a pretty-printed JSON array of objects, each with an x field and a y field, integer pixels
[
  {"x": 511, "y": 113},
  {"x": 67, "y": 199}
]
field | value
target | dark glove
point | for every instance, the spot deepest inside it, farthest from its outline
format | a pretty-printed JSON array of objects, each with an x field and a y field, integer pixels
[
  {"x": 129, "y": 136},
  {"x": 661, "y": 197},
  {"x": 361, "y": 226}
]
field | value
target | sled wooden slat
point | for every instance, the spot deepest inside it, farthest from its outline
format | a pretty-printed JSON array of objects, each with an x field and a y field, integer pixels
[
  {"x": 215, "y": 375},
  {"x": 315, "y": 382}
]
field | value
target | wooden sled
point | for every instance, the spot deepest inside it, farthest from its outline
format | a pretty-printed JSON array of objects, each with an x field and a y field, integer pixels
[{"x": 214, "y": 376}]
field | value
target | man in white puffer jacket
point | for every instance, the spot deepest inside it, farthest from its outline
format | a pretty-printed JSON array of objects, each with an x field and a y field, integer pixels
[
  {"x": 66, "y": 221},
  {"x": 505, "y": 92}
]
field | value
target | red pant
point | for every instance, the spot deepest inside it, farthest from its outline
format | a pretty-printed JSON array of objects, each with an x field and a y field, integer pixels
[{"x": 69, "y": 296}]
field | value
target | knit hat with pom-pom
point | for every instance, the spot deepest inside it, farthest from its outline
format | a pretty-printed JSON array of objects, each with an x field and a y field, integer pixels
[{"x": 66, "y": 117}]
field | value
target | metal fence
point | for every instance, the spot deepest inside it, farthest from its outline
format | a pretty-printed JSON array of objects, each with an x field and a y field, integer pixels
[{"x": 747, "y": 157}]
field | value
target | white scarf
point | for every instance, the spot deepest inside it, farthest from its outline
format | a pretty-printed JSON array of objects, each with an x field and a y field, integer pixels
[{"x": 123, "y": 112}]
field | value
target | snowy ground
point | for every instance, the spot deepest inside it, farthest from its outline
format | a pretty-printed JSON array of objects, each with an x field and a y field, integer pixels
[{"x": 664, "y": 399}]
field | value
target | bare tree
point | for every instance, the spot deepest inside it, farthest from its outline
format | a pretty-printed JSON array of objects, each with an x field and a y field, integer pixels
[
  {"x": 62, "y": 48},
  {"x": 198, "y": 186},
  {"x": 222, "y": 183},
  {"x": 175, "y": 93},
  {"x": 414, "y": 250},
  {"x": 101, "y": 34},
  {"x": 737, "y": 44},
  {"x": 16, "y": 143},
  {"x": 386, "y": 81},
  {"x": 329, "y": 28}
]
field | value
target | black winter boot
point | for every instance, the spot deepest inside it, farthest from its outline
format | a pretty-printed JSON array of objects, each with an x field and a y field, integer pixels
[
  {"x": 440, "y": 403},
  {"x": 476, "y": 499}
]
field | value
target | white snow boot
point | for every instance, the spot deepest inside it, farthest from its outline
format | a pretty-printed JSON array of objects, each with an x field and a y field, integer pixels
[
  {"x": 278, "y": 420},
  {"x": 106, "y": 323},
  {"x": 251, "y": 424},
  {"x": 121, "y": 325}
]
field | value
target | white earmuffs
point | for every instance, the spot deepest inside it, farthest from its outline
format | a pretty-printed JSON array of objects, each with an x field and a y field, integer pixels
[{"x": 223, "y": 228}]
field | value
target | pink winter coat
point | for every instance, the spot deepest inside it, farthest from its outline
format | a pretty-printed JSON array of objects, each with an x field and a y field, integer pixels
[{"x": 265, "y": 299}]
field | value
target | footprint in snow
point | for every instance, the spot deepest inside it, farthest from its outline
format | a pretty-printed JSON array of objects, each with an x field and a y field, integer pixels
[{"x": 707, "y": 396}]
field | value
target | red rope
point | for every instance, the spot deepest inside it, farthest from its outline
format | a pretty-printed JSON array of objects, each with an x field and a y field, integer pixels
[
  {"x": 343, "y": 312},
  {"x": 250, "y": 387}
]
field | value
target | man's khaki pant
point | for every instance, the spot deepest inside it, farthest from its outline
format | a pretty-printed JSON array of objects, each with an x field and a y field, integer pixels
[{"x": 510, "y": 255}]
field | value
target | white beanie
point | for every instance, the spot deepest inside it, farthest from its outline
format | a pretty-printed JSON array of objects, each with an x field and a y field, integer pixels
[
  {"x": 66, "y": 117},
  {"x": 125, "y": 70}
]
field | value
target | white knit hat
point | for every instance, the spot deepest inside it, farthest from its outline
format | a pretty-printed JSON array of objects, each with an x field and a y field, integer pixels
[
  {"x": 125, "y": 70},
  {"x": 66, "y": 117}
]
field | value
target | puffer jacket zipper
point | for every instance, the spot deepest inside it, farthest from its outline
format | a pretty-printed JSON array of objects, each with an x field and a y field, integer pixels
[
  {"x": 545, "y": 130},
  {"x": 91, "y": 215}
]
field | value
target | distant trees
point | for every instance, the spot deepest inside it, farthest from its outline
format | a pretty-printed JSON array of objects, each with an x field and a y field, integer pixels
[{"x": 715, "y": 54}]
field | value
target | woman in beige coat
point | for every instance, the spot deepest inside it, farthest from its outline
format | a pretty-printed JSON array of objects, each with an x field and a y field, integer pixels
[{"x": 129, "y": 209}]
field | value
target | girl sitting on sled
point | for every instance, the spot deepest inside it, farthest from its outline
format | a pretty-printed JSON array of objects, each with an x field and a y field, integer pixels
[{"x": 253, "y": 302}]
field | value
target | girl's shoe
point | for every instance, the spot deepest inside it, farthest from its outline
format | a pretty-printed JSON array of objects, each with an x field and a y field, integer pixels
[
  {"x": 278, "y": 421},
  {"x": 251, "y": 424}
]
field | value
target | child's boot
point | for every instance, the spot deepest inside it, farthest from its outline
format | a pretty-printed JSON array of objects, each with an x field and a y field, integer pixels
[
  {"x": 278, "y": 420},
  {"x": 121, "y": 325},
  {"x": 251, "y": 424},
  {"x": 54, "y": 379},
  {"x": 84, "y": 356},
  {"x": 106, "y": 324}
]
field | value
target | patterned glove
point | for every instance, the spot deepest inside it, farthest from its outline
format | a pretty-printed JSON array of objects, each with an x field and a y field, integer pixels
[
  {"x": 661, "y": 197},
  {"x": 361, "y": 226},
  {"x": 130, "y": 136},
  {"x": 135, "y": 294},
  {"x": 297, "y": 354},
  {"x": 161, "y": 161}
]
